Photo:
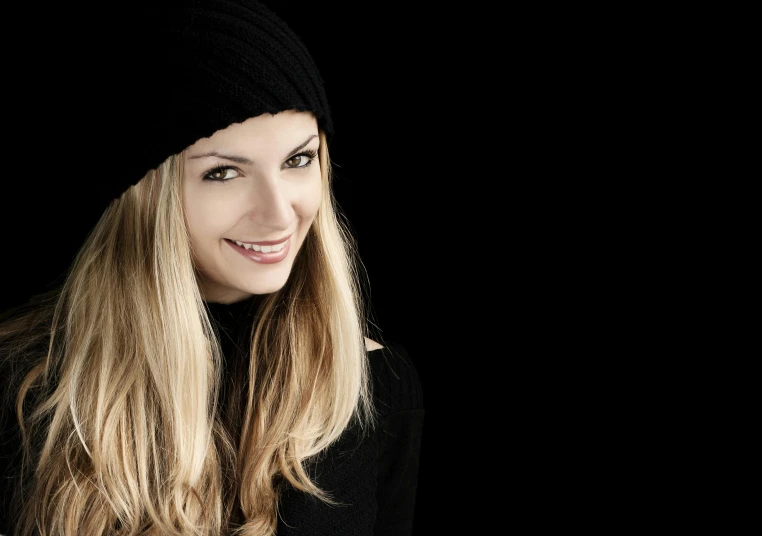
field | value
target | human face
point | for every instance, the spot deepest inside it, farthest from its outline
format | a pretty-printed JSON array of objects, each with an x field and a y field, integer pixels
[{"x": 258, "y": 183}]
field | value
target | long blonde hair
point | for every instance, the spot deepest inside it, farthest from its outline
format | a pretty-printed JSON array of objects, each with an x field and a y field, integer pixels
[{"x": 114, "y": 444}]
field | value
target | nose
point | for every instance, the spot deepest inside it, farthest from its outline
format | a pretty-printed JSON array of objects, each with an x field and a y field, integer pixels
[{"x": 270, "y": 199}]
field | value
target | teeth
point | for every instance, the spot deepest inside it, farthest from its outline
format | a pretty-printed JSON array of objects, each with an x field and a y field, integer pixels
[{"x": 263, "y": 249}]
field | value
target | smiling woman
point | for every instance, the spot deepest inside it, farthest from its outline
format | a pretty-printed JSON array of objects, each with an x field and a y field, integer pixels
[
  {"x": 208, "y": 365},
  {"x": 251, "y": 193}
]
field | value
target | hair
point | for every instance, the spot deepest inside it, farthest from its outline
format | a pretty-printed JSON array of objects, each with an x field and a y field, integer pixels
[{"x": 113, "y": 444}]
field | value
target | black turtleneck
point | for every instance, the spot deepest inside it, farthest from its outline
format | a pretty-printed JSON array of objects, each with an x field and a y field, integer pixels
[
  {"x": 374, "y": 476},
  {"x": 233, "y": 323}
]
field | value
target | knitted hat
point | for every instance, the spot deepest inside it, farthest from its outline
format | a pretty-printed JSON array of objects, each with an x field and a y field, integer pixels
[{"x": 184, "y": 71}]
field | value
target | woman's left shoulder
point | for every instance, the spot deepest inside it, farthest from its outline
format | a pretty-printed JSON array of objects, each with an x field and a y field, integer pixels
[{"x": 396, "y": 383}]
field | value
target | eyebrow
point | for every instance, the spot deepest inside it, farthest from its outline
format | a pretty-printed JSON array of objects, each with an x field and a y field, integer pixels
[{"x": 245, "y": 161}]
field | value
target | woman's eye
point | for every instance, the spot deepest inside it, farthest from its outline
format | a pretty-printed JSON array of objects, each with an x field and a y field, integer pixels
[
  {"x": 221, "y": 174},
  {"x": 299, "y": 160}
]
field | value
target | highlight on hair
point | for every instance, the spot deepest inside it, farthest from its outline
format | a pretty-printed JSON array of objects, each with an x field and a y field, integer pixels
[{"x": 118, "y": 408}]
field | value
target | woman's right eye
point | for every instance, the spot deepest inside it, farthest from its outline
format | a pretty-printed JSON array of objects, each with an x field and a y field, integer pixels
[{"x": 220, "y": 173}]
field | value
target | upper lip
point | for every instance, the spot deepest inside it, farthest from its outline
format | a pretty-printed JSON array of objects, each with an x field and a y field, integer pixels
[{"x": 263, "y": 242}]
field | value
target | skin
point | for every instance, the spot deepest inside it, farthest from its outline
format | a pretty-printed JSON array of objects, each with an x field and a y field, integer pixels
[{"x": 273, "y": 195}]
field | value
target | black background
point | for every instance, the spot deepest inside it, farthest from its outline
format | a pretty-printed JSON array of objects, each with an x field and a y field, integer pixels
[{"x": 398, "y": 91}]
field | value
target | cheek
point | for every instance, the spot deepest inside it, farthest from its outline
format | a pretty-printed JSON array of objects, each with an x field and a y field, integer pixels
[
  {"x": 310, "y": 199},
  {"x": 205, "y": 215}
]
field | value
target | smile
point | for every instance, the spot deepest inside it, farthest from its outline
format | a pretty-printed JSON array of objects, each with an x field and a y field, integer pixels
[
  {"x": 262, "y": 253},
  {"x": 263, "y": 249}
]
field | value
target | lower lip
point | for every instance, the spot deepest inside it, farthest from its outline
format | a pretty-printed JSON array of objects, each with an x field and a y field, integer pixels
[{"x": 258, "y": 256}]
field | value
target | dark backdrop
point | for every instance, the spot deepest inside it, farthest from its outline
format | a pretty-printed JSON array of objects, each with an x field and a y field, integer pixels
[{"x": 393, "y": 84}]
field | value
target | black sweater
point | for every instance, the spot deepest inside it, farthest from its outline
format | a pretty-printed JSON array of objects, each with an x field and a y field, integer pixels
[{"x": 374, "y": 476}]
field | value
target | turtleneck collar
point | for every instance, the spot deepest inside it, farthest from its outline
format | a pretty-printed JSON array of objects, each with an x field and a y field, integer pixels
[
  {"x": 233, "y": 322},
  {"x": 224, "y": 313}
]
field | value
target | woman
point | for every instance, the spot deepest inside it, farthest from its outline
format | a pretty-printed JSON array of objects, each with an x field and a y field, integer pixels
[{"x": 207, "y": 366}]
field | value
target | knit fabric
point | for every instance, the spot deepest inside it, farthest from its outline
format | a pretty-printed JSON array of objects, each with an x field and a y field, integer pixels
[
  {"x": 373, "y": 476},
  {"x": 178, "y": 73}
]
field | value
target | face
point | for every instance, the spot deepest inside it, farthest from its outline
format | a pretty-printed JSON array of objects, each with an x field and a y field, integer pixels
[{"x": 250, "y": 194}]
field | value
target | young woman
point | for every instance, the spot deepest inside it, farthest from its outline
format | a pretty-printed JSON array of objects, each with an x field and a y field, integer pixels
[{"x": 207, "y": 366}]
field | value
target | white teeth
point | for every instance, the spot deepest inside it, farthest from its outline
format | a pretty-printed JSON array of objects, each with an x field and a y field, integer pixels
[{"x": 263, "y": 249}]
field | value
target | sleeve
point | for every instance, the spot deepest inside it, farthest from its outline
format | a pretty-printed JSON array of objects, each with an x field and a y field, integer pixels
[{"x": 399, "y": 398}]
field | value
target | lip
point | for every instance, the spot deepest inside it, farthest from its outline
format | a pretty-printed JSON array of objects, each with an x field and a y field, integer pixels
[
  {"x": 260, "y": 257},
  {"x": 264, "y": 242}
]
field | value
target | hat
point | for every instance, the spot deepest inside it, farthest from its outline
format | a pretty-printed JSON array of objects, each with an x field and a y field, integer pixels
[{"x": 160, "y": 78}]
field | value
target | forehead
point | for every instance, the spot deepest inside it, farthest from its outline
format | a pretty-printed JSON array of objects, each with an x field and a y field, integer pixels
[{"x": 264, "y": 133}]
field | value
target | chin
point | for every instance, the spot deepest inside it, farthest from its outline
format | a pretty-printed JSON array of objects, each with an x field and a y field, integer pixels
[
  {"x": 232, "y": 291},
  {"x": 266, "y": 287},
  {"x": 260, "y": 289}
]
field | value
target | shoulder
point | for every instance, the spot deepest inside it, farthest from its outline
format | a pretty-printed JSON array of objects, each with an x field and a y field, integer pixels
[{"x": 396, "y": 383}]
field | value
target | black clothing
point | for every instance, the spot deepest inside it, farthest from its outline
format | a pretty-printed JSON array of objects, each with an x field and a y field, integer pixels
[
  {"x": 230, "y": 61},
  {"x": 374, "y": 476}
]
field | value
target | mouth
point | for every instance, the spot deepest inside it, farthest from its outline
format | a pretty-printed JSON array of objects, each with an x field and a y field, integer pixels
[
  {"x": 262, "y": 247},
  {"x": 264, "y": 251}
]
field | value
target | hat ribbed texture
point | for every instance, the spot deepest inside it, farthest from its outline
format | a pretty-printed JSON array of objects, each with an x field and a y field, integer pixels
[{"x": 187, "y": 70}]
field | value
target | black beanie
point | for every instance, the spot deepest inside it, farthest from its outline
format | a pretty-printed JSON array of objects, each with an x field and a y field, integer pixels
[{"x": 179, "y": 73}]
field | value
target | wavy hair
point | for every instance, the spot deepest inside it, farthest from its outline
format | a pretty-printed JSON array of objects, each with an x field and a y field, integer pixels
[{"x": 113, "y": 443}]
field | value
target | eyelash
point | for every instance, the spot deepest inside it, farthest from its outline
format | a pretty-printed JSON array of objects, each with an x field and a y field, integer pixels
[{"x": 311, "y": 155}]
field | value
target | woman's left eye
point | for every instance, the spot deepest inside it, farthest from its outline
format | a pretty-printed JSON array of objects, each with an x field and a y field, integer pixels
[{"x": 301, "y": 160}]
